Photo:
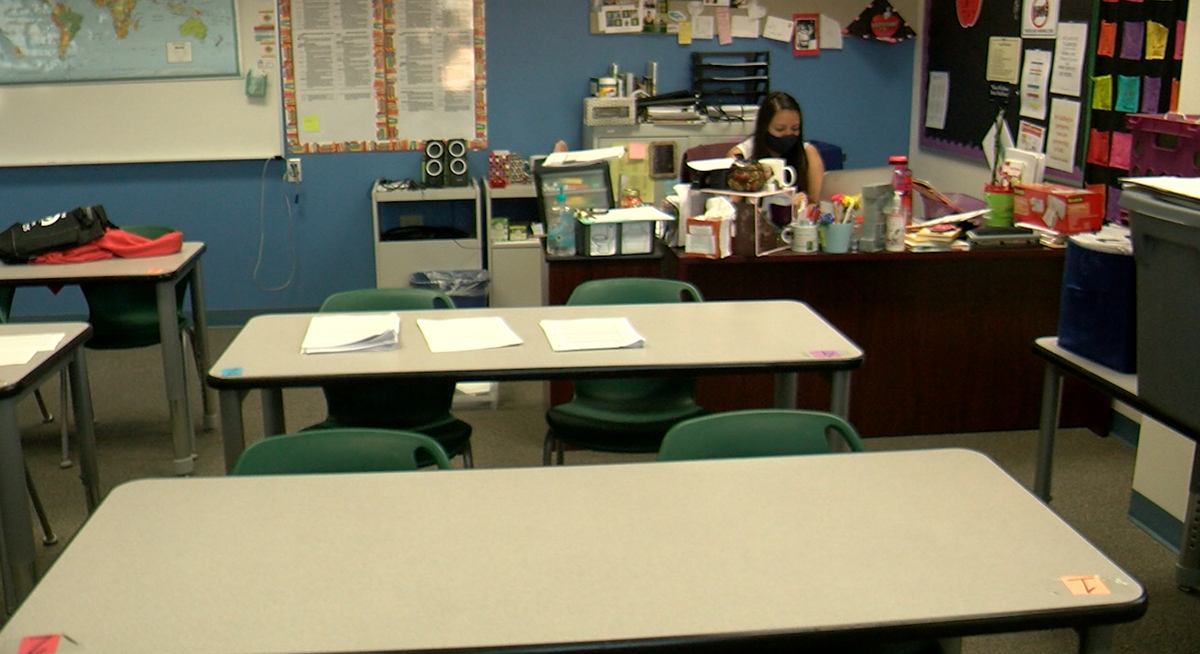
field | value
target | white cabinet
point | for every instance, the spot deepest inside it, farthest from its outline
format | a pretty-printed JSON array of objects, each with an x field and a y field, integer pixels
[
  {"x": 426, "y": 223},
  {"x": 517, "y": 268}
]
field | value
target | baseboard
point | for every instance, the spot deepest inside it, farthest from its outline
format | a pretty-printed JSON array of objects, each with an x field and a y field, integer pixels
[
  {"x": 1124, "y": 429},
  {"x": 1154, "y": 520}
]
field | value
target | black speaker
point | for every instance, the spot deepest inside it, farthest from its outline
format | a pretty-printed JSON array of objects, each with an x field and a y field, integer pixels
[
  {"x": 433, "y": 165},
  {"x": 456, "y": 163}
]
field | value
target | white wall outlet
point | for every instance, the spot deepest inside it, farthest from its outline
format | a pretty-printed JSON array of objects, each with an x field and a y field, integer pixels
[{"x": 291, "y": 172}]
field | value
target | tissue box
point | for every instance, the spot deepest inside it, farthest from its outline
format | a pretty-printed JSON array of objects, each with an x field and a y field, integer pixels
[
  {"x": 708, "y": 237},
  {"x": 1064, "y": 209}
]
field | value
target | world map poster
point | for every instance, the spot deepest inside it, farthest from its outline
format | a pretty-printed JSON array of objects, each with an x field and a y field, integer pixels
[{"x": 46, "y": 42}]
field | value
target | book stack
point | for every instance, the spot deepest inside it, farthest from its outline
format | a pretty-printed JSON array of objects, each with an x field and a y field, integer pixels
[{"x": 935, "y": 238}]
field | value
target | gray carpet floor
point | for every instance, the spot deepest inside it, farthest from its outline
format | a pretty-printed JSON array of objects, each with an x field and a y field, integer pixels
[{"x": 1092, "y": 478}]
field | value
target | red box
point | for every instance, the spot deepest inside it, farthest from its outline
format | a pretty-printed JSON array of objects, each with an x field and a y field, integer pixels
[{"x": 1064, "y": 209}]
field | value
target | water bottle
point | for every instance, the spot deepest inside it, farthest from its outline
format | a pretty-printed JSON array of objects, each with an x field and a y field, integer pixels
[
  {"x": 894, "y": 233},
  {"x": 560, "y": 230},
  {"x": 902, "y": 184}
]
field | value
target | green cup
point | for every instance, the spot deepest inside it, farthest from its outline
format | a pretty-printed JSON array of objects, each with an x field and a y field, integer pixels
[{"x": 1000, "y": 206}]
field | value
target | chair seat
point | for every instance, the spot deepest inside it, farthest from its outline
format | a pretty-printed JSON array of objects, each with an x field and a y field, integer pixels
[
  {"x": 452, "y": 434},
  {"x": 642, "y": 431}
]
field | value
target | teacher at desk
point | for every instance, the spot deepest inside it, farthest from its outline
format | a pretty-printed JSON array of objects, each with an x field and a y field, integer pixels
[{"x": 779, "y": 132}]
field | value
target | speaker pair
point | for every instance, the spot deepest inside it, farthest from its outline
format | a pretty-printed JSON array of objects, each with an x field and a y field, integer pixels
[{"x": 445, "y": 163}]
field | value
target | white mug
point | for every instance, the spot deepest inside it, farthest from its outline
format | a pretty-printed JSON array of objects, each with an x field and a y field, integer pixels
[
  {"x": 782, "y": 173},
  {"x": 801, "y": 236}
]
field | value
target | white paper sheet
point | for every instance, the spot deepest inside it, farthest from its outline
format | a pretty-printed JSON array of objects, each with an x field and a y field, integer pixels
[
  {"x": 464, "y": 334},
  {"x": 358, "y": 332},
  {"x": 591, "y": 334},
  {"x": 18, "y": 349}
]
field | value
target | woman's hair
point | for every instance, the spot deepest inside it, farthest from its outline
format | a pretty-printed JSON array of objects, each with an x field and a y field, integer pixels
[{"x": 775, "y": 102}]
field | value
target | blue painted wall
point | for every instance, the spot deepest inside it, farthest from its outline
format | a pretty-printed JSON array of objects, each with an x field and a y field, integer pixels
[{"x": 540, "y": 56}]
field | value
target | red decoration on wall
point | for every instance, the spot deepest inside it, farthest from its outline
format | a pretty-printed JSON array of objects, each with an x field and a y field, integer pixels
[
  {"x": 880, "y": 22},
  {"x": 968, "y": 11}
]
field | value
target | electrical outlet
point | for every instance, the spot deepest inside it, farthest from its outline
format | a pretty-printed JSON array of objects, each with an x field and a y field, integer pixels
[{"x": 291, "y": 173}]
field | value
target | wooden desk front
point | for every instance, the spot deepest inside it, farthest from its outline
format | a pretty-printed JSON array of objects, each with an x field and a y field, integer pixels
[{"x": 767, "y": 554}]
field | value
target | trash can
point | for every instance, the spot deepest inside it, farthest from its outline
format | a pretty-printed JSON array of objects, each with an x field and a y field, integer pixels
[
  {"x": 468, "y": 288},
  {"x": 1097, "y": 315}
]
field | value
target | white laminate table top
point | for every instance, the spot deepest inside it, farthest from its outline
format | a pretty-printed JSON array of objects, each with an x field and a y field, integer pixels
[
  {"x": 754, "y": 336},
  {"x": 106, "y": 269},
  {"x": 13, "y": 378},
  {"x": 568, "y": 554}
]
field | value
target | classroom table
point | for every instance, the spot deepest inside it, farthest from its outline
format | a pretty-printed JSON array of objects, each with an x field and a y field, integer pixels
[
  {"x": 165, "y": 272},
  {"x": 734, "y": 555},
  {"x": 17, "y": 548},
  {"x": 687, "y": 338},
  {"x": 1121, "y": 387}
]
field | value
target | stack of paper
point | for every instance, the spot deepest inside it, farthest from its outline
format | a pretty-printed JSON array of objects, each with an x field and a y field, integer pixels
[
  {"x": 591, "y": 334},
  {"x": 465, "y": 334},
  {"x": 18, "y": 349},
  {"x": 356, "y": 332}
]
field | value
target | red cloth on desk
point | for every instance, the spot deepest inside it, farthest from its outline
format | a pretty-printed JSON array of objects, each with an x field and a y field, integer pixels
[{"x": 116, "y": 243}]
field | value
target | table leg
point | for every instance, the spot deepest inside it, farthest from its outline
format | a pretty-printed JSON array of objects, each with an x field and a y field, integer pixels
[
  {"x": 1096, "y": 639},
  {"x": 174, "y": 371},
  {"x": 1047, "y": 426},
  {"x": 839, "y": 393},
  {"x": 785, "y": 390},
  {"x": 207, "y": 395},
  {"x": 232, "y": 430},
  {"x": 16, "y": 523},
  {"x": 272, "y": 408},
  {"x": 81, "y": 400},
  {"x": 1187, "y": 566}
]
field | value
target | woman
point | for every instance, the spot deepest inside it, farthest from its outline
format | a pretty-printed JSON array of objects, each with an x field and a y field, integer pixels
[{"x": 779, "y": 132}]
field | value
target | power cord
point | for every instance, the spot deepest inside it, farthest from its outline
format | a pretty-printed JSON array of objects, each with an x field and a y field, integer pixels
[{"x": 262, "y": 230}]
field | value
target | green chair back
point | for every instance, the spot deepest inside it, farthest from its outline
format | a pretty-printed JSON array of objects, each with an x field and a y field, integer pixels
[
  {"x": 125, "y": 315},
  {"x": 756, "y": 432},
  {"x": 6, "y": 301},
  {"x": 412, "y": 405},
  {"x": 340, "y": 450},
  {"x": 634, "y": 290}
]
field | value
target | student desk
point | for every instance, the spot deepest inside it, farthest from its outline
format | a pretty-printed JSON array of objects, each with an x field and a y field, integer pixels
[
  {"x": 757, "y": 554},
  {"x": 1122, "y": 387},
  {"x": 781, "y": 337},
  {"x": 165, "y": 272},
  {"x": 17, "y": 381}
]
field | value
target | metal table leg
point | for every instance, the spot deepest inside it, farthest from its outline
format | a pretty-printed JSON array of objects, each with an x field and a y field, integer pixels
[
  {"x": 207, "y": 395},
  {"x": 232, "y": 430},
  {"x": 785, "y": 390},
  {"x": 16, "y": 522},
  {"x": 1187, "y": 566},
  {"x": 1047, "y": 427},
  {"x": 81, "y": 400},
  {"x": 174, "y": 371}
]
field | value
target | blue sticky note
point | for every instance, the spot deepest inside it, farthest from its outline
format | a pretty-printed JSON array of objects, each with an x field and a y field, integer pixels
[{"x": 230, "y": 372}]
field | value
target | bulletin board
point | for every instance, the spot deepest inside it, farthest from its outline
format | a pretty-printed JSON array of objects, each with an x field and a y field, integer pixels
[
  {"x": 655, "y": 16},
  {"x": 959, "y": 56},
  {"x": 382, "y": 75},
  {"x": 151, "y": 121}
]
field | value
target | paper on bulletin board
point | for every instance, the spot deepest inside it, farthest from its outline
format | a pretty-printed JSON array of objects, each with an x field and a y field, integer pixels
[
  {"x": 1069, "y": 54},
  {"x": 1063, "y": 132},
  {"x": 1034, "y": 80},
  {"x": 1004, "y": 59},
  {"x": 1039, "y": 18}
]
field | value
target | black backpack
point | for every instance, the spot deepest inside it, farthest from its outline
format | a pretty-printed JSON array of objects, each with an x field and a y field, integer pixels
[{"x": 61, "y": 231}]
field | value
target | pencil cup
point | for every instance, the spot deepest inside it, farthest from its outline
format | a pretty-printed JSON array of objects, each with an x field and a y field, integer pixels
[
  {"x": 802, "y": 237},
  {"x": 835, "y": 237},
  {"x": 1000, "y": 205}
]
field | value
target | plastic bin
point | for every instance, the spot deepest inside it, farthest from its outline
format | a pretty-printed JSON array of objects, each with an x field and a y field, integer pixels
[
  {"x": 1097, "y": 315},
  {"x": 1166, "y": 252},
  {"x": 468, "y": 288}
]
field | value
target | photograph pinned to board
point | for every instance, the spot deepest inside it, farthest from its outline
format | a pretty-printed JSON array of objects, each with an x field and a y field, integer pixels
[
  {"x": 880, "y": 22},
  {"x": 807, "y": 37}
]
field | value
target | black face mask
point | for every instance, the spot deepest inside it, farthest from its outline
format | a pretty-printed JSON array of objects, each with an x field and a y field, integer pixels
[{"x": 781, "y": 144}]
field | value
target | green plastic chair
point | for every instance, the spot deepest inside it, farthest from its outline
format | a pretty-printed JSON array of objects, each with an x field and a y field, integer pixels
[
  {"x": 411, "y": 405},
  {"x": 628, "y": 415},
  {"x": 340, "y": 450},
  {"x": 756, "y": 432}
]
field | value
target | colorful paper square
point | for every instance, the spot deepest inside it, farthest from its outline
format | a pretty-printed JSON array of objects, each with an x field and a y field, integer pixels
[
  {"x": 1129, "y": 91},
  {"x": 1133, "y": 35},
  {"x": 1102, "y": 90},
  {"x": 1151, "y": 92},
  {"x": 1106, "y": 41},
  {"x": 1156, "y": 40},
  {"x": 1180, "y": 30},
  {"x": 1119, "y": 150},
  {"x": 1097, "y": 152}
]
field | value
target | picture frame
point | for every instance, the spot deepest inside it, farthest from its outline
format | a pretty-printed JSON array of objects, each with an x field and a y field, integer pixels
[
  {"x": 662, "y": 160},
  {"x": 806, "y": 34}
]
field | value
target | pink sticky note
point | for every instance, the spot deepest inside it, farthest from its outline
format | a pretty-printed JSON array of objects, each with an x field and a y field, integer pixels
[
  {"x": 1118, "y": 154},
  {"x": 637, "y": 150},
  {"x": 45, "y": 644},
  {"x": 823, "y": 354}
]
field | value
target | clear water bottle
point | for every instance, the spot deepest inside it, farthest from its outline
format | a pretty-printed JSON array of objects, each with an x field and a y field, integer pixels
[
  {"x": 560, "y": 228},
  {"x": 902, "y": 183},
  {"x": 894, "y": 231}
]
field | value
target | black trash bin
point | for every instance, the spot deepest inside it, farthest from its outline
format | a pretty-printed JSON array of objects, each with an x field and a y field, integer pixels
[{"x": 468, "y": 288}]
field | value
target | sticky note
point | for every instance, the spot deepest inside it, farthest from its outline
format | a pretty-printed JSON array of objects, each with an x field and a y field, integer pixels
[
  {"x": 1106, "y": 41},
  {"x": 1085, "y": 585},
  {"x": 46, "y": 644},
  {"x": 1151, "y": 92},
  {"x": 637, "y": 150},
  {"x": 1129, "y": 91},
  {"x": 685, "y": 33},
  {"x": 724, "y": 27},
  {"x": 1102, "y": 90},
  {"x": 1097, "y": 151},
  {"x": 310, "y": 124},
  {"x": 1133, "y": 34},
  {"x": 1156, "y": 40},
  {"x": 1119, "y": 150},
  {"x": 823, "y": 354}
]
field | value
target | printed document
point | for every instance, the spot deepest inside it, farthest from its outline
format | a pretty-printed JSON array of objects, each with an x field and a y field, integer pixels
[
  {"x": 357, "y": 332},
  {"x": 18, "y": 349},
  {"x": 591, "y": 334},
  {"x": 463, "y": 334}
]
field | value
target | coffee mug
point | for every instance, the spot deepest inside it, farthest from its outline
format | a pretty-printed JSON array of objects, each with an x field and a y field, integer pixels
[
  {"x": 779, "y": 210},
  {"x": 782, "y": 173},
  {"x": 801, "y": 236}
]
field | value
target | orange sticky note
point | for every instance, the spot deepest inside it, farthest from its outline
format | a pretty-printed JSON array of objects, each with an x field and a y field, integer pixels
[
  {"x": 1085, "y": 585},
  {"x": 637, "y": 150},
  {"x": 1107, "y": 42},
  {"x": 45, "y": 644}
]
